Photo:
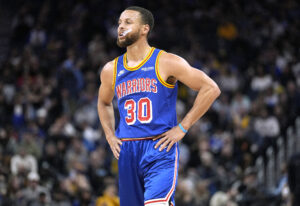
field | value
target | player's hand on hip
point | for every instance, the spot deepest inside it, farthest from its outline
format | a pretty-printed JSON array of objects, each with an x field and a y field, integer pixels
[
  {"x": 115, "y": 144},
  {"x": 169, "y": 138}
]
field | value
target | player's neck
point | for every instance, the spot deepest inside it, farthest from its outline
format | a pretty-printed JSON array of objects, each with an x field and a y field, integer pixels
[{"x": 138, "y": 51}]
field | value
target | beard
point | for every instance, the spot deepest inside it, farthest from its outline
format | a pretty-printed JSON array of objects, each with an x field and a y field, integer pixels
[{"x": 129, "y": 40}]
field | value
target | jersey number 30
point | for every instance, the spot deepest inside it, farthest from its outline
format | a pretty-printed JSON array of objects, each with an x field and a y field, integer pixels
[{"x": 142, "y": 109}]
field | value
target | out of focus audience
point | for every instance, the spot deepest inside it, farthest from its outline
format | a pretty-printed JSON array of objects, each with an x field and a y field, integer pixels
[{"x": 52, "y": 148}]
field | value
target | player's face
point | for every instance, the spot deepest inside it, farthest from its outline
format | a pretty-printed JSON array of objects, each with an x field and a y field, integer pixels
[{"x": 129, "y": 28}]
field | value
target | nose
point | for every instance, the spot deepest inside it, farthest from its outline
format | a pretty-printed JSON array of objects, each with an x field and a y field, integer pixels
[{"x": 121, "y": 26}]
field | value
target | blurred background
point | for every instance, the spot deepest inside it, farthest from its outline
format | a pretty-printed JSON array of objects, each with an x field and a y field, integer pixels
[{"x": 52, "y": 148}]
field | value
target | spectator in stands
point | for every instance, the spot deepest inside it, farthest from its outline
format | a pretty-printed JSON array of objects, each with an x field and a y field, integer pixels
[
  {"x": 30, "y": 142},
  {"x": 98, "y": 169},
  {"x": 221, "y": 199},
  {"x": 14, "y": 185},
  {"x": 186, "y": 192},
  {"x": 208, "y": 171},
  {"x": 109, "y": 197},
  {"x": 261, "y": 81},
  {"x": 52, "y": 163},
  {"x": 76, "y": 156},
  {"x": 250, "y": 189},
  {"x": 60, "y": 196},
  {"x": 37, "y": 36},
  {"x": 268, "y": 127},
  {"x": 41, "y": 200},
  {"x": 34, "y": 193},
  {"x": 23, "y": 163}
]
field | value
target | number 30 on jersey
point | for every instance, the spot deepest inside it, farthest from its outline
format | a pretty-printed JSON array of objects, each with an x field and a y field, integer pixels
[{"x": 141, "y": 110}]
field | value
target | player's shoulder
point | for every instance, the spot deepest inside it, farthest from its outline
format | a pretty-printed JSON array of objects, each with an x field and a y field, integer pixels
[
  {"x": 107, "y": 70},
  {"x": 170, "y": 59},
  {"x": 108, "y": 67}
]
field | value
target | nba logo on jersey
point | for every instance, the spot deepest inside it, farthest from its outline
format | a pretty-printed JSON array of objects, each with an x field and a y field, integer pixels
[{"x": 147, "y": 68}]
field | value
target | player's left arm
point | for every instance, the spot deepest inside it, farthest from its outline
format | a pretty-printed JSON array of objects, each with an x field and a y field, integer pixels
[{"x": 171, "y": 65}]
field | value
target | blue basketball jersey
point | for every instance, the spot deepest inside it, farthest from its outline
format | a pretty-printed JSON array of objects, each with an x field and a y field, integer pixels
[{"x": 147, "y": 104}]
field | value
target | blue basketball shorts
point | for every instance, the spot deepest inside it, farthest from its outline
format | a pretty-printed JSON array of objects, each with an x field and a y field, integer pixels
[{"x": 146, "y": 175}]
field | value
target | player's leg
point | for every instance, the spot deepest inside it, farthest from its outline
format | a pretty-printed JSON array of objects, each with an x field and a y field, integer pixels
[
  {"x": 131, "y": 190},
  {"x": 160, "y": 175}
]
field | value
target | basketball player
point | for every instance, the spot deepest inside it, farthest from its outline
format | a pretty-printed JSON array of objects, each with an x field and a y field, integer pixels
[{"x": 144, "y": 80}]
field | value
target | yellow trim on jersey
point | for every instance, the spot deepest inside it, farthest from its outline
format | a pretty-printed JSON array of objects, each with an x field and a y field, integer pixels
[
  {"x": 158, "y": 75},
  {"x": 140, "y": 64},
  {"x": 115, "y": 73}
]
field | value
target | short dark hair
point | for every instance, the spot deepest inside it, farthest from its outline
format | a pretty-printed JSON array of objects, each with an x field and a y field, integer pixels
[{"x": 146, "y": 15}]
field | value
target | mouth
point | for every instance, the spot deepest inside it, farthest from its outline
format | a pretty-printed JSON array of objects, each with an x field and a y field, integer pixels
[{"x": 124, "y": 33}]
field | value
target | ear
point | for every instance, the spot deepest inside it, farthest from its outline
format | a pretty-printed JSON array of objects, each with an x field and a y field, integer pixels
[{"x": 145, "y": 29}]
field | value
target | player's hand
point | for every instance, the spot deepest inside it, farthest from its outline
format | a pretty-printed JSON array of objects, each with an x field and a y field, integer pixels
[
  {"x": 114, "y": 144},
  {"x": 169, "y": 138}
]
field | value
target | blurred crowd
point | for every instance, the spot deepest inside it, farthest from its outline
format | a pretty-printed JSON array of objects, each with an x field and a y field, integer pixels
[{"x": 52, "y": 148}]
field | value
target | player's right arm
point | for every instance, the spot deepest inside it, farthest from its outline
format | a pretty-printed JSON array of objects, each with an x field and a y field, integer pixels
[{"x": 105, "y": 108}]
